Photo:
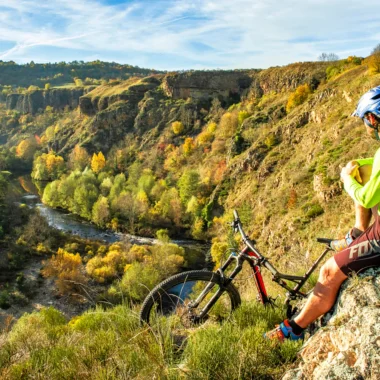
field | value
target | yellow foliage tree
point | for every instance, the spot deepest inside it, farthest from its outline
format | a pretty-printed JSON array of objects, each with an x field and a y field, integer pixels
[
  {"x": 53, "y": 162},
  {"x": 67, "y": 268},
  {"x": 205, "y": 137},
  {"x": 298, "y": 97},
  {"x": 98, "y": 162},
  {"x": 374, "y": 63},
  {"x": 177, "y": 127},
  {"x": 26, "y": 148},
  {"x": 228, "y": 124},
  {"x": 188, "y": 146}
]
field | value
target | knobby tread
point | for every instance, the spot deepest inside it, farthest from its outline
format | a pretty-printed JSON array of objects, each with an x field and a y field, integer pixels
[{"x": 180, "y": 278}]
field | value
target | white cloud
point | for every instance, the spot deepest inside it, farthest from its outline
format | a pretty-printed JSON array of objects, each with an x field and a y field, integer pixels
[{"x": 242, "y": 33}]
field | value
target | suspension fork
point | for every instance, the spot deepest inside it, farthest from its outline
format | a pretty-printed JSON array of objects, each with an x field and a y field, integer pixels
[{"x": 224, "y": 283}]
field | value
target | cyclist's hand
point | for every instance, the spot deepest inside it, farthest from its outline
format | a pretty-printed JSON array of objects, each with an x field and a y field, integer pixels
[{"x": 351, "y": 169}]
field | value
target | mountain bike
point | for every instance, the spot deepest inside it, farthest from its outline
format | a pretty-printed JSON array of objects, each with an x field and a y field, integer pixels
[{"x": 195, "y": 296}]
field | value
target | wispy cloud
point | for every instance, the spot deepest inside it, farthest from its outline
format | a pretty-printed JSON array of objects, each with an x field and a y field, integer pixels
[{"x": 176, "y": 34}]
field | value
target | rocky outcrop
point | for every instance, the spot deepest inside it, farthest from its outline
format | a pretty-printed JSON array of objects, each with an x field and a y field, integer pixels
[
  {"x": 37, "y": 100},
  {"x": 206, "y": 85},
  {"x": 287, "y": 78},
  {"x": 348, "y": 347},
  {"x": 104, "y": 96}
]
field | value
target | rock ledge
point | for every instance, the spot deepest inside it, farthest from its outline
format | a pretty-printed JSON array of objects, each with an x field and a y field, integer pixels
[{"x": 348, "y": 347}]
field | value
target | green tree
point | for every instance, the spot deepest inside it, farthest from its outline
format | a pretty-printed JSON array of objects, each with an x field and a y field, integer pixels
[
  {"x": 188, "y": 185},
  {"x": 101, "y": 211}
]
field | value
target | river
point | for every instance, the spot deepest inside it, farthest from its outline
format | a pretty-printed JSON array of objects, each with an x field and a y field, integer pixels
[{"x": 73, "y": 224}]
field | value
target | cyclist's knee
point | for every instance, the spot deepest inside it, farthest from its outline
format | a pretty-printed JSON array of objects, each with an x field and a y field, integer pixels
[{"x": 331, "y": 274}]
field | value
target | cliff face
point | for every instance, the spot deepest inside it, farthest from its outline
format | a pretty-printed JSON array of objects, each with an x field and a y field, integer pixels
[
  {"x": 103, "y": 97},
  {"x": 200, "y": 84},
  {"x": 348, "y": 347},
  {"x": 38, "y": 100}
]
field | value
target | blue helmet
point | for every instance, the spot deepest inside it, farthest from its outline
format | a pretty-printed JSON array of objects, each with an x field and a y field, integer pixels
[{"x": 369, "y": 102}]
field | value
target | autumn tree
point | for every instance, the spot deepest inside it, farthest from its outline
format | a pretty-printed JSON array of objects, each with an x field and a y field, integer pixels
[
  {"x": 188, "y": 146},
  {"x": 26, "y": 149},
  {"x": 374, "y": 60},
  {"x": 67, "y": 269},
  {"x": 78, "y": 158},
  {"x": 48, "y": 166},
  {"x": 98, "y": 162},
  {"x": 101, "y": 211},
  {"x": 228, "y": 124},
  {"x": 298, "y": 97},
  {"x": 177, "y": 127}
]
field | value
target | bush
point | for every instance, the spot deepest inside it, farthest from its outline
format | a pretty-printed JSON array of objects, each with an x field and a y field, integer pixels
[
  {"x": 67, "y": 268},
  {"x": 298, "y": 97},
  {"x": 374, "y": 63},
  {"x": 177, "y": 127}
]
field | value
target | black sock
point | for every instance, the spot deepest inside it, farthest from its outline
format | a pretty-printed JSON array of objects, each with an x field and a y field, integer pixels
[
  {"x": 355, "y": 232},
  {"x": 296, "y": 329}
]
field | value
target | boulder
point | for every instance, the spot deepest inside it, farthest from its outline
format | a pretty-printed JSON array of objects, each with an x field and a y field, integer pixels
[{"x": 348, "y": 346}]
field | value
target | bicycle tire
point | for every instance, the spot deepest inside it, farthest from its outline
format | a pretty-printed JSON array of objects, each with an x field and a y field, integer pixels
[{"x": 154, "y": 300}]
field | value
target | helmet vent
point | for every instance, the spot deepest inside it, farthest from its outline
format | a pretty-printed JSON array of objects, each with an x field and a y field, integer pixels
[{"x": 376, "y": 97}]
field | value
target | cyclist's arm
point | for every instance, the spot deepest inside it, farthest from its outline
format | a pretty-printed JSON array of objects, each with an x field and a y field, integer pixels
[
  {"x": 369, "y": 194},
  {"x": 364, "y": 161}
]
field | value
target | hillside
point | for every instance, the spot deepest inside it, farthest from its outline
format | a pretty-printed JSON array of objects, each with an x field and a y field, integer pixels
[
  {"x": 38, "y": 74},
  {"x": 173, "y": 154}
]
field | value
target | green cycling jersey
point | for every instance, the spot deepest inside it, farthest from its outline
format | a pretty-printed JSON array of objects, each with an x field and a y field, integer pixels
[{"x": 369, "y": 194}]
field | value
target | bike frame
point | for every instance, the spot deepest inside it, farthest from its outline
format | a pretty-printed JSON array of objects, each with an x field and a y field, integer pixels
[{"x": 256, "y": 260}]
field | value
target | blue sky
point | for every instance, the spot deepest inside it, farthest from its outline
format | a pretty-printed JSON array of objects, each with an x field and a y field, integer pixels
[{"x": 182, "y": 34}]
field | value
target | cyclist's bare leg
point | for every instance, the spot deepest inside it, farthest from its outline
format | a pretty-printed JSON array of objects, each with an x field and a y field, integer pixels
[{"x": 324, "y": 294}]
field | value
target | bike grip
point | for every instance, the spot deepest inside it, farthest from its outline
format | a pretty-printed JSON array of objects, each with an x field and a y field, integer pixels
[
  {"x": 236, "y": 215},
  {"x": 324, "y": 240}
]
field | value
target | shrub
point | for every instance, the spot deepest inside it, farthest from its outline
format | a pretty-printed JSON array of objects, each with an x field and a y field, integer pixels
[
  {"x": 67, "y": 268},
  {"x": 177, "y": 127},
  {"x": 298, "y": 97},
  {"x": 374, "y": 63}
]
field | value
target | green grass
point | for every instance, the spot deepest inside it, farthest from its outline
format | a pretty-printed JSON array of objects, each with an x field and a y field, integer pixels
[{"x": 111, "y": 344}]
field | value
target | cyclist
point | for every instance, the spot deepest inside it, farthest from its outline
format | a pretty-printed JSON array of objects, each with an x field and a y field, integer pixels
[{"x": 360, "y": 248}]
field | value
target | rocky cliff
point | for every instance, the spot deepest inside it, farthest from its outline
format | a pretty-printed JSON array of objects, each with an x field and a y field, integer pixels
[
  {"x": 37, "y": 100},
  {"x": 103, "y": 97},
  {"x": 201, "y": 84},
  {"x": 348, "y": 347}
]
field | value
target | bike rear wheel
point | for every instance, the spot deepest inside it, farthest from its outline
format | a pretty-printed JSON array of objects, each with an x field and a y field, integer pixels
[{"x": 190, "y": 298}]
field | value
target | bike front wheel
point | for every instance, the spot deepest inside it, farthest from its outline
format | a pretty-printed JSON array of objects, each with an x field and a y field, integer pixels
[{"x": 191, "y": 298}]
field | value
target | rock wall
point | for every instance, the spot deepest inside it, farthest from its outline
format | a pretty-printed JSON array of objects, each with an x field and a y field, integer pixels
[
  {"x": 103, "y": 97},
  {"x": 288, "y": 78},
  {"x": 207, "y": 84},
  {"x": 348, "y": 347},
  {"x": 36, "y": 101}
]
